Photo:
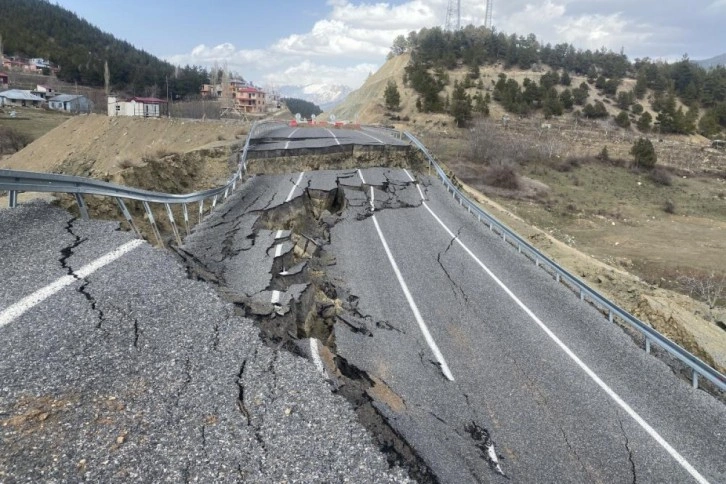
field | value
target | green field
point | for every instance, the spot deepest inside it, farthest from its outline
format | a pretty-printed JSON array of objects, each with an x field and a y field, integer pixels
[{"x": 33, "y": 122}]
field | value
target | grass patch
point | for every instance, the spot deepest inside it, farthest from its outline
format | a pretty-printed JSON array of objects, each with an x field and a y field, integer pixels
[{"x": 32, "y": 122}]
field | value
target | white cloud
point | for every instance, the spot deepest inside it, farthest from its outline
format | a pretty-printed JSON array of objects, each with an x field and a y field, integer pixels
[{"x": 355, "y": 36}]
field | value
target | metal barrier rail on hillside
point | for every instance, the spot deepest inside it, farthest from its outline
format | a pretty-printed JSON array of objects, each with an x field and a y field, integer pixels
[
  {"x": 698, "y": 367},
  {"x": 15, "y": 182}
]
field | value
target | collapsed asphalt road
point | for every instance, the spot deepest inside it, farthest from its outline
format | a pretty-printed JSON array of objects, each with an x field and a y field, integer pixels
[
  {"x": 467, "y": 363},
  {"x": 128, "y": 371}
]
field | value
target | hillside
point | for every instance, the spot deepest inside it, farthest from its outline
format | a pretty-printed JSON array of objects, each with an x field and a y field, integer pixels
[
  {"x": 719, "y": 60},
  {"x": 37, "y": 28}
]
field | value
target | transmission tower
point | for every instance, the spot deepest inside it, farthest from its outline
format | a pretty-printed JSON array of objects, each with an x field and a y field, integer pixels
[
  {"x": 453, "y": 15},
  {"x": 488, "y": 17}
]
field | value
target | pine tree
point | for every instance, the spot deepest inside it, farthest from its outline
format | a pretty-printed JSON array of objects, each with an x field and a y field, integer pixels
[
  {"x": 460, "y": 105},
  {"x": 392, "y": 96},
  {"x": 644, "y": 154}
]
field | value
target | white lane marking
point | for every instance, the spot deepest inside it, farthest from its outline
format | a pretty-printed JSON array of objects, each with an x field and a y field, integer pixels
[
  {"x": 412, "y": 304},
  {"x": 16, "y": 310},
  {"x": 292, "y": 191},
  {"x": 360, "y": 174},
  {"x": 611, "y": 393},
  {"x": 278, "y": 235},
  {"x": 418, "y": 185},
  {"x": 316, "y": 356},
  {"x": 278, "y": 250},
  {"x": 373, "y": 201},
  {"x": 290, "y": 136},
  {"x": 275, "y": 297},
  {"x": 366, "y": 134},
  {"x": 333, "y": 135}
]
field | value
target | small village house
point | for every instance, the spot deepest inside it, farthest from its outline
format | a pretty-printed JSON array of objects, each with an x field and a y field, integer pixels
[
  {"x": 44, "y": 91},
  {"x": 16, "y": 97},
  {"x": 146, "y": 107},
  {"x": 71, "y": 103}
]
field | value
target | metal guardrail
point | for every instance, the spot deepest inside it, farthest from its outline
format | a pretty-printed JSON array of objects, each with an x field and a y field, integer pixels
[
  {"x": 15, "y": 182},
  {"x": 586, "y": 293}
]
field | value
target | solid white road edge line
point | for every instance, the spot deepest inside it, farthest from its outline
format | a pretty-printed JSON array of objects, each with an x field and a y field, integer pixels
[
  {"x": 373, "y": 201},
  {"x": 16, "y": 310},
  {"x": 418, "y": 185},
  {"x": 611, "y": 393},
  {"x": 278, "y": 250},
  {"x": 292, "y": 191},
  {"x": 360, "y": 174},
  {"x": 293, "y": 132},
  {"x": 314, "y": 351},
  {"x": 333, "y": 135},
  {"x": 373, "y": 137},
  {"x": 412, "y": 304}
]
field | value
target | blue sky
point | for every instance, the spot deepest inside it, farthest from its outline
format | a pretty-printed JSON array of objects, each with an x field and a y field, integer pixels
[{"x": 305, "y": 42}]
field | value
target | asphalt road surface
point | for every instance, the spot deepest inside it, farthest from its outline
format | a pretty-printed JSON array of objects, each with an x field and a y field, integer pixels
[
  {"x": 465, "y": 362},
  {"x": 489, "y": 369},
  {"x": 125, "y": 370},
  {"x": 291, "y": 138}
]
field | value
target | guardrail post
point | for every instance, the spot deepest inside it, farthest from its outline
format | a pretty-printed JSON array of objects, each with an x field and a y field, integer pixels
[
  {"x": 154, "y": 228},
  {"x": 519, "y": 248},
  {"x": 557, "y": 278},
  {"x": 128, "y": 217},
  {"x": 582, "y": 295},
  {"x": 201, "y": 210},
  {"x": 536, "y": 261},
  {"x": 214, "y": 203},
  {"x": 610, "y": 315},
  {"x": 174, "y": 228},
  {"x": 647, "y": 345},
  {"x": 694, "y": 379},
  {"x": 13, "y": 198},
  {"x": 185, "y": 210},
  {"x": 226, "y": 193},
  {"x": 82, "y": 206}
]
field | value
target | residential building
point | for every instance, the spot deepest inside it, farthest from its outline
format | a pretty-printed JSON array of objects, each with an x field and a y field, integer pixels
[
  {"x": 147, "y": 107},
  {"x": 17, "y": 97},
  {"x": 246, "y": 97},
  {"x": 71, "y": 103},
  {"x": 46, "y": 92}
]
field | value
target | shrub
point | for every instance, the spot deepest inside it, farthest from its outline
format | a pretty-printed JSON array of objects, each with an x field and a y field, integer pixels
[
  {"x": 659, "y": 176},
  {"x": 622, "y": 120},
  {"x": 644, "y": 155},
  {"x": 12, "y": 140},
  {"x": 502, "y": 176},
  {"x": 604, "y": 155},
  {"x": 669, "y": 207}
]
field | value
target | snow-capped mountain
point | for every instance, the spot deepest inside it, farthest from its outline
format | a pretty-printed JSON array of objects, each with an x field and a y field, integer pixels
[{"x": 327, "y": 96}]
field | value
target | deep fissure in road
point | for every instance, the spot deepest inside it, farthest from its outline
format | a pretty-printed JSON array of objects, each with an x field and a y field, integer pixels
[{"x": 304, "y": 299}]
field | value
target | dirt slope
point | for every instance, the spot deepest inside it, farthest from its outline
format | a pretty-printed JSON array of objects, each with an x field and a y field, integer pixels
[{"x": 100, "y": 146}]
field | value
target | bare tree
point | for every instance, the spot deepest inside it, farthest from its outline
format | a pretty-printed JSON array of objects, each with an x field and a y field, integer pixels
[
  {"x": 106, "y": 78},
  {"x": 709, "y": 288}
]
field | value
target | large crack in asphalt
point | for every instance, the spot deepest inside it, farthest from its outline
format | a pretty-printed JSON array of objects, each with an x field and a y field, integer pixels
[
  {"x": 66, "y": 253},
  {"x": 303, "y": 300}
]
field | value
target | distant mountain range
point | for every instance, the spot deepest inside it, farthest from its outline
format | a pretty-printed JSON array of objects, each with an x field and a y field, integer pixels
[
  {"x": 719, "y": 60},
  {"x": 327, "y": 96}
]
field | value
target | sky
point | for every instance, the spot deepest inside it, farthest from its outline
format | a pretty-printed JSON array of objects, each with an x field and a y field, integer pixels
[{"x": 302, "y": 42}]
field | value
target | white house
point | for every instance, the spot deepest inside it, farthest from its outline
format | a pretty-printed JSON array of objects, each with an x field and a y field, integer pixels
[
  {"x": 71, "y": 103},
  {"x": 147, "y": 107},
  {"x": 17, "y": 97}
]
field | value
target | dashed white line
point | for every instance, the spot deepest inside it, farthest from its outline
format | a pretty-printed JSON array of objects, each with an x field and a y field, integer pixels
[
  {"x": 333, "y": 135},
  {"x": 278, "y": 235},
  {"x": 16, "y": 310},
  {"x": 416, "y": 313},
  {"x": 290, "y": 136},
  {"x": 373, "y": 201},
  {"x": 360, "y": 174},
  {"x": 275, "y": 299},
  {"x": 292, "y": 191},
  {"x": 278, "y": 250},
  {"x": 314, "y": 351},
  {"x": 609, "y": 391}
]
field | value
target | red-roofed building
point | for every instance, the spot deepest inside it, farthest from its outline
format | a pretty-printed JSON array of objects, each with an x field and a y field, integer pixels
[
  {"x": 246, "y": 97},
  {"x": 147, "y": 107}
]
